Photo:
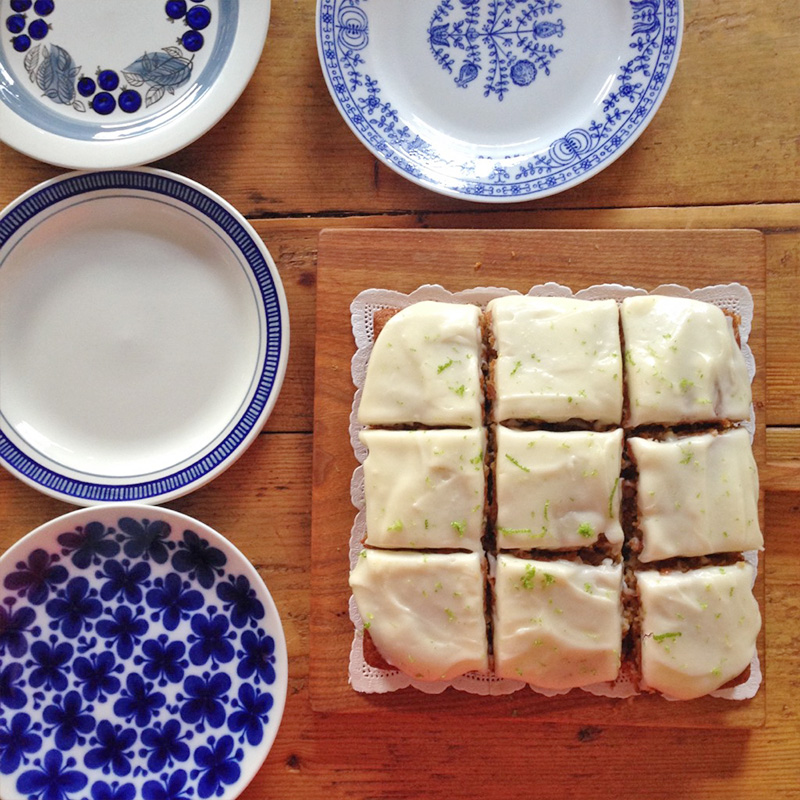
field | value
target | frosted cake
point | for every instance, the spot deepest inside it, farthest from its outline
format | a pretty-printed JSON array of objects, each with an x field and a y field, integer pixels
[
  {"x": 696, "y": 495},
  {"x": 557, "y": 490},
  {"x": 425, "y": 368},
  {"x": 557, "y": 624},
  {"x": 532, "y": 376},
  {"x": 682, "y": 362},
  {"x": 424, "y": 612},
  {"x": 698, "y": 628},
  {"x": 425, "y": 489}
]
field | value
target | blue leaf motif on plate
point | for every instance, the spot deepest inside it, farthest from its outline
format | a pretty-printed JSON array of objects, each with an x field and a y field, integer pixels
[
  {"x": 89, "y": 544},
  {"x": 240, "y": 601},
  {"x": 113, "y": 751},
  {"x": 11, "y": 695},
  {"x": 163, "y": 661},
  {"x": 204, "y": 701},
  {"x": 17, "y": 740},
  {"x": 163, "y": 71},
  {"x": 51, "y": 664},
  {"x": 74, "y": 607},
  {"x": 138, "y": 702},
  {"x": 96, "y": 675},
  {"x": 70, "y": 719},
  {"x": 210, "y": 639},
  {"x": 36, "y": 577},
  {"x": 55, "y": 779},
  {"x": 55, "y": 74},
  {"x": 253, "y": 714},
  {"x": 175, "y": 598}
]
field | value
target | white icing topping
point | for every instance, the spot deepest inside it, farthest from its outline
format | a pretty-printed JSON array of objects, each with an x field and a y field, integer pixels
[
  {"x": 557, "y": 624},
  {"x": 425, "y": 488},
  {"x": 697, "y": 495},
  {"x": 557, "y": 490},
  {"x": 558, "y": 358},
  {"x": 425, "y": 367},
  {"x": 682, "y": 362},
  {"x": 424, "y": 612},
  {"x": 699, "y": 628}
]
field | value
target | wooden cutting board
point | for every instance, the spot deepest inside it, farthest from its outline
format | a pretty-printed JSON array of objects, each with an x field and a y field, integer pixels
[{"x": 353, "y": 260}]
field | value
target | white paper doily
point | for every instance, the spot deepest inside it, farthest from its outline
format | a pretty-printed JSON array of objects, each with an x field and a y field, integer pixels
[{"x": 732, "y": 297}]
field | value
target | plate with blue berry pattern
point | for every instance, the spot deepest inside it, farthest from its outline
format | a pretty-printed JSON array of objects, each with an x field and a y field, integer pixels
[
  {"x": 498, "y": 100},
  {"x": 91, "y": 84},
  {"x": 144, "y": 336},
  {"x": 141, "y": 658}
]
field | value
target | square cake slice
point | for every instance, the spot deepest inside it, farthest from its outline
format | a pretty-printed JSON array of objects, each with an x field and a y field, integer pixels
[
  {"x": 557, "y": 624},
  {"x": 425, "y": 489},
  {"x": 697, "y": 495},
  {"x": 698, "y": 628},
  {"x": 557, "y": 359},
  {"x": 425, "y": 368},
  {"x": 682, "y": 362},
  {"x": 557, "y": 491},
  {"x": 425, "y": 612}
]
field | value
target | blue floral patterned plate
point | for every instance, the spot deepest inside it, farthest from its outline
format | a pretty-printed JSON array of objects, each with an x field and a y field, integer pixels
[
  {"x": 498, "y": 100},
  {"x": 141, "y": 658},
  {"x": 145, "y": 335},
  {"x": 100, "y": 85}
]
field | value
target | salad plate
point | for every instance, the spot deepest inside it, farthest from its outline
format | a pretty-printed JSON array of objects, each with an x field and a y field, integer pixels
[
  {"x": 141, "y": 658},
  {"x": 91, "y": 84},
  {"x": 498, "y": 100},
  {"x": 144, "y": 335}
]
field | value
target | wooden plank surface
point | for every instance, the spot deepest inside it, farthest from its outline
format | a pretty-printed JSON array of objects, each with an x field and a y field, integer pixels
[
  {"x": 351, "y": 261},
  {"x": 726, "y": 132}
]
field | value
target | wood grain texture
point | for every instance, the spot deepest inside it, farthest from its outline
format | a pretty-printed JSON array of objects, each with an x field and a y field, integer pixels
[{"x": 351, "y": 261}]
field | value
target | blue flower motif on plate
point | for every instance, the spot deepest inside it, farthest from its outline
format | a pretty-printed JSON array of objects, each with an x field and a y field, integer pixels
[
  {"x": 507, "y": 40},
  {"x": 133, "y": 665},
  {"x": 504, "y": 47}
]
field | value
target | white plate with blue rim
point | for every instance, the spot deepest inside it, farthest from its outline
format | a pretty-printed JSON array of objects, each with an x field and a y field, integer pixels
[
  {"x": 144, "y": 335},
  {"x": 141, "y": 658},
  {"x": 498, "y": 100},
  {"x": 94, "y": 85}
]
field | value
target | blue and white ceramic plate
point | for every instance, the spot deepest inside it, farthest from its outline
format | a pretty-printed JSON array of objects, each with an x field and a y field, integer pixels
[
  {"x": 93, "y": 84},
  {"x": 144, "y": 335},
  {"x": 498, "y": 100},
  {"x": 141, "y": 658}
]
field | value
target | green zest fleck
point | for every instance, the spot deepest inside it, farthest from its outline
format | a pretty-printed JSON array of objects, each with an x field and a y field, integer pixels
[
  {"x": 512, "y": 531},
  {"x": 442, "y": 367},
  {"x": 585, "y": 530},
  {"x": 685, "y": 385},
  {"x": 611, "y": 499},
  {"x": 450, "y": 615},
  {"x": 527, "y": 579},
  {"x": 460, "y": 391},
  {"x": 517, "y": 365},
  {"x": 659, "y": 637},
  {"x": 363, "y": 554},
  {"x": 546, "y": 510},
  {"x": 477, "y": 460},
  {"x": 516, "y": 463},
  {"x": 587, "y": 587},
  {"x": 548, "y": 579},
  {"x": 459, "y": 527},
  {"x": 688, "y": 455},
  {"x": 426, "y": 524},
  {"x": 366, "y": 626},
  {"x": 629, "y": 358},
  {"x": 437, "y": 586},
  {"x": 396, "y": 526}
]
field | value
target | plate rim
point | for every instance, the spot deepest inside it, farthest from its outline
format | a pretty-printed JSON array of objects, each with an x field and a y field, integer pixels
[
  {"x": 281, "y": 652},
  {"x": 240, "y": 64},
  {"x": 86, "y": 490},
  {"x": 453, "y": 188}
]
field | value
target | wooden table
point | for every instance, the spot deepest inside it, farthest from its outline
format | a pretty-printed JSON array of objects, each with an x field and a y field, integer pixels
[{"x": 723, "y": 152}]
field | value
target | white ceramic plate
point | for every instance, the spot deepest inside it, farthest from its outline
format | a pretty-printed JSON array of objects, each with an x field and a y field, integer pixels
[
  {"x": 498, "y": 100},
  {"x": 141, "y": 657},
  {"x": 143, "y": 336},
  {"x": 92, "y": 84}
]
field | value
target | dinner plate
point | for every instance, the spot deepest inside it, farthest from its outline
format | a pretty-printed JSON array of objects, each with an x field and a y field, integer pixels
[
  {"x": 144, "y": 335},
  {"x": 498, "y": 100},
  {"x": 141, "y": 658},
  {"x": 92, "y": 84}
]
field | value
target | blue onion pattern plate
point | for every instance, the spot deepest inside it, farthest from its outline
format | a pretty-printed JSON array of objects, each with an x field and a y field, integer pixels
[
  {"x": 145, "y": 335},
  {"x": 498, "y": 100},
  {"x": 100, "y": 85},
  {"x": 141, "y": 658}
]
